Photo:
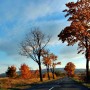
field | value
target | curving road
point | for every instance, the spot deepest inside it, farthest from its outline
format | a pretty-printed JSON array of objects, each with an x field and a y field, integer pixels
[{"x": 60, "y": 84}]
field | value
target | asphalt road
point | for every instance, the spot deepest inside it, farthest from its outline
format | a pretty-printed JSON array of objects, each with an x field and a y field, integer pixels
[{"x": 61, "y": 84}]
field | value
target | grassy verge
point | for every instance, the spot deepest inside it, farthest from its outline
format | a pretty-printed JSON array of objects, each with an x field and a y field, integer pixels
[
  {"x": 82, "y": 82},
  {"x": 18, "y": 83}
]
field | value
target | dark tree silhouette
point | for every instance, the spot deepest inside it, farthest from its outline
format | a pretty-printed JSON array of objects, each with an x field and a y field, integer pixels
[
  {"x": 11, "y": 71},
  {"x": 79, "y": 29},
  {"x": 33, "y": 45}
]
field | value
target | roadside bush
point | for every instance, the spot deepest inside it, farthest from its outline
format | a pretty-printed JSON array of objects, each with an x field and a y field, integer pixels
[
  {"x": 45, "y": 75},
  {"x": 11, "y": 72},
  {"x": 59, "y": 73},
  {"x": 25, "y": 71},
  {"x": 35, "y": 74},
  {"x": 81, "y": 77}
]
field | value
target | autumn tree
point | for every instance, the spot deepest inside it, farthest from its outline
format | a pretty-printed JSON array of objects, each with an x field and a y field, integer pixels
[
  {"x": 47, "y": 61},
  {"x": 70, "y": 68},
  {"x": 33, "y": 45},
  {"x": 79, "y": 29},
  {"x": 11, "y": 71},
  {"x": 53, "y": 63},
  {"x": 25, "y": 71}
]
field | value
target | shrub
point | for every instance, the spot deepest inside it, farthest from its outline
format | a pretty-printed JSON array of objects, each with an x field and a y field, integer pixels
[
  {"x": 11, "y": 71},
  {"x": 25, "y": 71},
  {"x": 59, "y": 73},
  {"x": 35, "y": 74},
  {"x": 45, "y": 75}
]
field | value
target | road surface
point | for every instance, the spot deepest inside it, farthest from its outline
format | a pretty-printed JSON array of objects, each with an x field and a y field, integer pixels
[{"x": 60, "y": 84}]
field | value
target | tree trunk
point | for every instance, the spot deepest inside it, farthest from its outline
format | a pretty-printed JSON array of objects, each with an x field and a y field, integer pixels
[
  {"x": 48, "y": 72},
  {"x": 40, "y": 70},
  {"x": 53, "y": 73},
  {"x": 87, "y": 70},
  {"x": 87, "y": 61}
]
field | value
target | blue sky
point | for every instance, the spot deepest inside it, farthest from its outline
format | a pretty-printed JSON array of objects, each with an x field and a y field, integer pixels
[{"x": 17, "y": 17}]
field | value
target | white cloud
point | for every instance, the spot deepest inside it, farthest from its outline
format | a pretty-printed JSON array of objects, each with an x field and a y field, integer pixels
[
  {"x": 45, "y": 8},
  {"x": 22, "y": 17}
]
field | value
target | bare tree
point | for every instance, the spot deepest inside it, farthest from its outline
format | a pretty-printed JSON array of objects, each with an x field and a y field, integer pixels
[{"x": 33, "y": 45}]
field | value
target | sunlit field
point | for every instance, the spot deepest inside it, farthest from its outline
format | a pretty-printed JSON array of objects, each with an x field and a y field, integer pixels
[{"x": 19, "y": 83}]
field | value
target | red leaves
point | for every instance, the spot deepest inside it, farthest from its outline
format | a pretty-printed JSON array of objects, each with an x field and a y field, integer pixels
[
  {"x": 59, "y": 63},
  {"x": 71, "y": 4},
  {"x": 70, "y": 68},
  {"x": 79, "y": 13}
]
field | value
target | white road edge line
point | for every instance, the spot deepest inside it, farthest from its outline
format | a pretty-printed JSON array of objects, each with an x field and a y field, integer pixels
[{"x": 51, "y": 88}]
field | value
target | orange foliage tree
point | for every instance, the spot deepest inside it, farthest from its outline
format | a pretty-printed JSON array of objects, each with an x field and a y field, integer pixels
[
  {"x": 25, "y": 71},
  {"x": 47, "y": 61},
  {"x": 53, "y": 64},
  {"x": 79, "y": 29},
  {"x": 11, "y": 71},
  {"x": 70, "y": 68}
]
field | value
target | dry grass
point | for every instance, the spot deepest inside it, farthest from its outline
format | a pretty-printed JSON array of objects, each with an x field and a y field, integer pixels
[
  {"x": 80, "y": 80},
  {"x": 18, "y": 83}
]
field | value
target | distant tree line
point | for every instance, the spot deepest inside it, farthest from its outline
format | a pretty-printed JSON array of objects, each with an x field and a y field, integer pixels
[{"x": 26, "y": 73}]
